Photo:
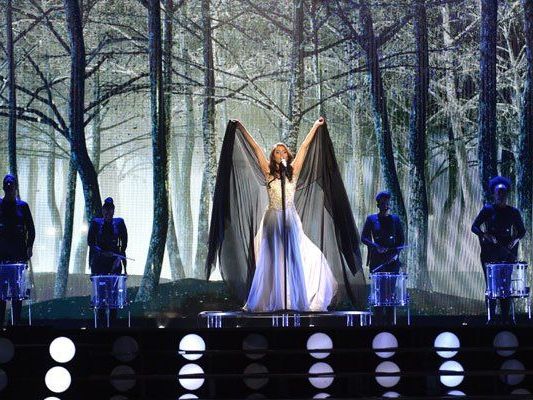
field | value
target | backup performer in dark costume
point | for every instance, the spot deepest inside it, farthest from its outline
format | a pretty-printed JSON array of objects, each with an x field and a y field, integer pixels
[
  {"x": 107, "y": 240},
  {"x": 499, "y": 228},
  {"x": 17, "y": 234},
  {"x": 383, "y": 235}
]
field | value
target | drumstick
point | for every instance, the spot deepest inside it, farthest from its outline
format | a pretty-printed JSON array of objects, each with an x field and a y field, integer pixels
[
  {"x": 123, "y": 257},
  {"x": 119, "y": 256},
  {"x": 385, "y": 263}
]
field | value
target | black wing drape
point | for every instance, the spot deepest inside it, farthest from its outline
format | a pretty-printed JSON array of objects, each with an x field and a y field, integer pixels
[
  {"x": 240, "y": 201},
  {"x": 327, "y": 218}
]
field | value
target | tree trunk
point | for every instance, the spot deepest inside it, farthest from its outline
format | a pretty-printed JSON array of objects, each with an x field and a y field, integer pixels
[
  {"x": 185, "y": 225},
  {"x": 317, "y": 70},
  {"x": 418, "y": 202},
  {"x": 78, "y": 145},
  {"x": 456, "y": 117},
  {"x": 488, "y": 149},
  {"x": 296, "y": 86},
  {"x": 524, "y": 182},
  {"x": 357, "y": 195},
  {"x": 156, "y": 250},
  {"x": 209, "y": 136},
  {"x": 203, "y": 230},
  {"x": 80, "y": 254},
  {"x": 55, "y": 217},
  {"x": 174, "y": 259},
  {"x": 60, "y": 287},
  {"x": 12, "y": 93},
  {"x": 381, "y": 117}
]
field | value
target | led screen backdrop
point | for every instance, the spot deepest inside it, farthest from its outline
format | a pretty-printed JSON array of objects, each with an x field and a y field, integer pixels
[{"x": 276, "y": 66}]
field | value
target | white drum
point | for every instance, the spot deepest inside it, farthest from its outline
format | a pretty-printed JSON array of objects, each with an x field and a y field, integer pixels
[
  {"x": 388, "y": 289},
  {"x": 14, "y": 281},
  {"x": 109, "y": 291},
  {"x": 506, "y": 280}
]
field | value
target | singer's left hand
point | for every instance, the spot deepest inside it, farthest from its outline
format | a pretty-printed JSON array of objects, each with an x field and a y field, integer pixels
[{"x": 320, "y": 121}]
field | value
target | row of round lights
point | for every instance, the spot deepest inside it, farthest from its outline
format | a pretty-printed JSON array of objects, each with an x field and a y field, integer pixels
[
  {"x": 506, "y": 343},
  {"x": 7, "y": 353},
  {"x": 383, "y": 345},
  {"x": 191, "y": 347},
  {"x": 125, "y": 349},
  {"x": 315, "y": 342},
  {"x": 449, "y": 340},
  {"x": 58, "y": 379}
]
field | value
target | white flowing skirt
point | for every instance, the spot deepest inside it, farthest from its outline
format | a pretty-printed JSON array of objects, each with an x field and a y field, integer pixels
[{"x": 310, "y": 283}]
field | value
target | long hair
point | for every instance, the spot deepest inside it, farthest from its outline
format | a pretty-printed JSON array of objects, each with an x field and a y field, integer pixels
[{"x": 273, "y": 165}]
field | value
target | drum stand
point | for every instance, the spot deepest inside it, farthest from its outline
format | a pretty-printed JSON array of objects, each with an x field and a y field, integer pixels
[
  {"x": 12, "y": 313},
  {"x": 512, "y": 299},
  {"x": 107, "y": 313},
  {"x": 394, "y": 319},
  {"x": 408, "y": 313}
]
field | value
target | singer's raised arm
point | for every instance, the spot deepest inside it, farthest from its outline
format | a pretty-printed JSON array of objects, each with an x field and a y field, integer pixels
[
  {"x": 259, "y": 154},
  {"x": 302, "y": 152}
]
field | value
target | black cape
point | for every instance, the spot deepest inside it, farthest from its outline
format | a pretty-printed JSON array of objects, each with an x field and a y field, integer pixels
[{"x": 240, "y": 200}]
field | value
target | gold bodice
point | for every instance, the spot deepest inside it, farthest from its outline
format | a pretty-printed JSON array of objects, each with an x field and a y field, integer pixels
[{"x": 274, "y": 193}]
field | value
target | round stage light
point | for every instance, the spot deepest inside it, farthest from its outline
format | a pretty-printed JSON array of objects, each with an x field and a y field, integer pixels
[
  {"x": 456, "y": 393},
  {"x": 191, "y": 343},
  {"x": 447, "y": 340},
  {"x": 321, "y": 396},
  {"x": 125, "y": 349},
  {"x": 505, "y": 339},
  {"x": 254, "y": 342},
  {"x": 255, "y": 383},
  {"x": 190, "y": 383},
  {"x": 391, "y": 395},
  {"x": 56, "y": 398},
  {"x": 319, "y": 341},
  {"x": 57, "y": 379},
  {"x": 7, "y": 350},
  {"x": 62, "y": 349},
  {"x": 512, "y": 379},
  {"x": 384, "y": 340},
  {"x": 451, "y": 380},
  {"x": 520, "y": 391},
  {"x": 188, "y": 396},
  {"x": 321, "y": 382},
  {"x": 122, "y": 384},
  {"x": 387, "y": 367},
  {"x": 3, "y": 380}
]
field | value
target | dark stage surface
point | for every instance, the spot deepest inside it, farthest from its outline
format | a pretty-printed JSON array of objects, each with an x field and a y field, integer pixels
[{"x": 147, "y": 362}]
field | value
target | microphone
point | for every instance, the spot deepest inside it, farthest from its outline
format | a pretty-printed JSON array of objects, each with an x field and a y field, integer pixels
[{"x": 284, "y": 163}]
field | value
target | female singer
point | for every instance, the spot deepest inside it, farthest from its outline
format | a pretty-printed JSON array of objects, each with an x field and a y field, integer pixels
[{"x": 322, "y": 244}]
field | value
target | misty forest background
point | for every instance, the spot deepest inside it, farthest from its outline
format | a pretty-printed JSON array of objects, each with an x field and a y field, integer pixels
[{"x": 130, "y": 99}]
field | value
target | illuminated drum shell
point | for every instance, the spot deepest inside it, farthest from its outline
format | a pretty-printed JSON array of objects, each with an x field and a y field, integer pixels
[
  {"x": 14, "y": 281},
  {"x": 109, "y": 291},
  {"x": 506, "y": 280},
  {"x": 388, "y": 289}
]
